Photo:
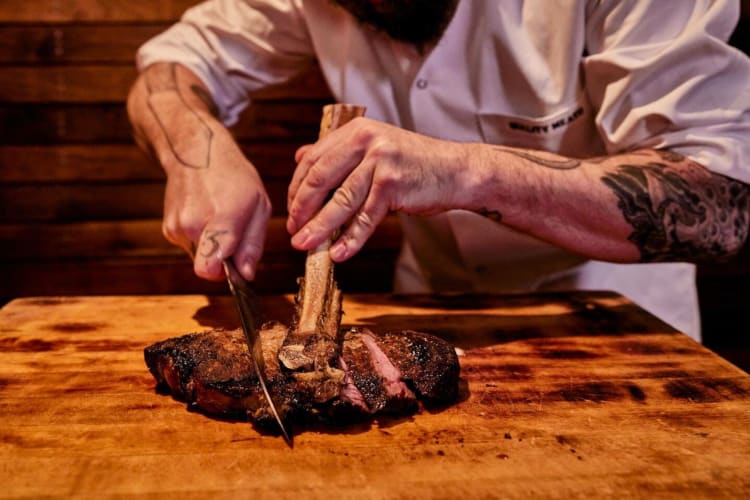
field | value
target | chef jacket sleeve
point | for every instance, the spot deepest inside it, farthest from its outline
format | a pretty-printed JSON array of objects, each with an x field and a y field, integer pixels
[
  {"x": 235, "y": 47},
  {"x": 660, "y": 75}
]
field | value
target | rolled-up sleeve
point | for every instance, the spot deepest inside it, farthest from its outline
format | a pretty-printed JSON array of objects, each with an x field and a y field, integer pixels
[
  {"x": 235, "y": 47},
  {"x": 660, "y": 75}
]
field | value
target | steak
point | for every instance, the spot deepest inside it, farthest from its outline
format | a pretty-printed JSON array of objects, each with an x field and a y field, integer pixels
[{"x": 386, "y": 373}]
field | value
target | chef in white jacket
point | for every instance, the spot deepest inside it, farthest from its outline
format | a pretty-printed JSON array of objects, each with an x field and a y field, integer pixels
[{"x": 526, "y": 145}]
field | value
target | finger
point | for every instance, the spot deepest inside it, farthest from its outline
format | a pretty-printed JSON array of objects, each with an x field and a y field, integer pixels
[
  {"x": 304, "y": 158},
  {"x": 301, "y": 152},
  {"x": 300, "y": 172},
  {"x": 184, "y": 238},
  {"x": 323, "y": 176},
  {"x": 219, "y": 239},
  {"x": 345, "y": 202},
  {"x": 250, "y": 247},
  {"x": 361, "y": 227},
  {"x": 307, "y": 156}
]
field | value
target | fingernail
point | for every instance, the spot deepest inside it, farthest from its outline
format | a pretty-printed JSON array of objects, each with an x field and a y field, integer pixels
[
  {"x": 338, "y": 251},
  {"x": 301, "y": 238}
]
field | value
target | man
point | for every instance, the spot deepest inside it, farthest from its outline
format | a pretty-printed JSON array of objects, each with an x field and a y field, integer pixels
[{"x": 527, "y": 145}]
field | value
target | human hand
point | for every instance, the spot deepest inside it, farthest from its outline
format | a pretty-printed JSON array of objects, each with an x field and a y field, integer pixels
[
  {"x": 374, "y": 168},
  {"x": 217, "y": 211}
]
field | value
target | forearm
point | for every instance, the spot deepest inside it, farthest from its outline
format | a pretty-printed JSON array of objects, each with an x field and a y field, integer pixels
[
  {"x": 643, "y": 206},
  {"x": 215, "y": 205},
  {"x": 173, "y": 116}
]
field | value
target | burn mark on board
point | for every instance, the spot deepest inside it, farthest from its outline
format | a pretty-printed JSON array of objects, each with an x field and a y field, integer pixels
[
  {"x": 647, "y": 348},
  {"x": 105, "y": 345},
  {"x": 85, "y": 385},
  {"x": 553, "y": 353},
  {"x": 636, "y": 393},
  {"x": 26, "y": 443},
  {"x": 652, "y": 349},
  {"x": 16, "y": 344},
  {"x": 76, "y": 327},
  {"x": 140, "y": 407},
  {"x": 598, "y": 392},
  {"x": 568, "y": 443},
  {"x": 561, "y": 350},
  {"x": 706, "y": 390},
  {"x": 499, "y": 373},
  {"x": 444, "y": 437},
  {"x": 590, "y": 392}
]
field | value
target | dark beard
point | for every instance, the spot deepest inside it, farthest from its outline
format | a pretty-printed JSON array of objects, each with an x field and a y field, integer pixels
[{"x": 419, "y": 22}]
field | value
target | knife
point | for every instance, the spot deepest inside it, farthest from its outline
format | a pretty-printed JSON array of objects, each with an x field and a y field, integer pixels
[{"x": 249, "y": 311}]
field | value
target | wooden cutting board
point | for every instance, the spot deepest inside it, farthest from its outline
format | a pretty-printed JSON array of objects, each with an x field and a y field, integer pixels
[{"x": 580, "y": 394}]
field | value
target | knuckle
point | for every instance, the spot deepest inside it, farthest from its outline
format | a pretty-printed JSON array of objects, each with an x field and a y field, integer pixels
[
  {"x": 294, "y": 212},
  {"x": 385, "y": 181},
  {"x": 344, "y": 197},
  {"x": 366, "y": 221},
  {"x": 378, "y": 151},
  {"x": 169, "y": 230},
  {"x": 315, "y": 177}
]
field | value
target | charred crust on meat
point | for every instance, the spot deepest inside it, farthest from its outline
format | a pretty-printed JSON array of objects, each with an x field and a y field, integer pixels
[{"x": 382, "y": 374}]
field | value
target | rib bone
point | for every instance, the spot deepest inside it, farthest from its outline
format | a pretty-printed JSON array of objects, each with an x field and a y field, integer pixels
[{"x": 312, "y": 348}]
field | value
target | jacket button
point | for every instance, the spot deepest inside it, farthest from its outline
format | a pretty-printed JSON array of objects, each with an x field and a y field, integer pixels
[{"x": 421, "y": 83}]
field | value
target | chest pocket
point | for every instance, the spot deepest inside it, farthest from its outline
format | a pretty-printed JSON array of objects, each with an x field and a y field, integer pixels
[{"x": 570, "y": 131}]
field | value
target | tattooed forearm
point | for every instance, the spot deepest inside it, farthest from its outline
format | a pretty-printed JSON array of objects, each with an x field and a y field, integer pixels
[
  {"x": 165, "y": 100},
  {"x": 562, "y": 164},
  {"x": 679, "y": 210}
]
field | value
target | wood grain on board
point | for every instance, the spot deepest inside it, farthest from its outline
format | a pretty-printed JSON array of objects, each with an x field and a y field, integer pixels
[{"x": 562, "y": 395}]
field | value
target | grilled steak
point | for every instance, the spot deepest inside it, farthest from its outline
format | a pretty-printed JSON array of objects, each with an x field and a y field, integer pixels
[{"x": 383, "y": 373}]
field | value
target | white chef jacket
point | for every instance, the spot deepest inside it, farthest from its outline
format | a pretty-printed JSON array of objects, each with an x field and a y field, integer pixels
[{"x": 578, "y": 77}]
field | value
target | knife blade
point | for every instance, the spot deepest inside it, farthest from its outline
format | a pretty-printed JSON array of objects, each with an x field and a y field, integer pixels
[{"x": 248, "y": 306}]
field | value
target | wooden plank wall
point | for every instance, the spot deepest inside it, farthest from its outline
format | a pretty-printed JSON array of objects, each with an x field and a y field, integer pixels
[{"x": 80, "y": 206}]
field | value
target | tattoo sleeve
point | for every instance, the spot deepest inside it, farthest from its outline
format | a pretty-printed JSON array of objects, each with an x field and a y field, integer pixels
[
  {"x": 164, "y": 98},
  {"x": 680, "y": 210}
]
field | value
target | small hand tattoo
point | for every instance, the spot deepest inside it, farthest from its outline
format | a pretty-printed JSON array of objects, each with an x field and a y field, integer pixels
[{"x": 210, "y": 243}]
